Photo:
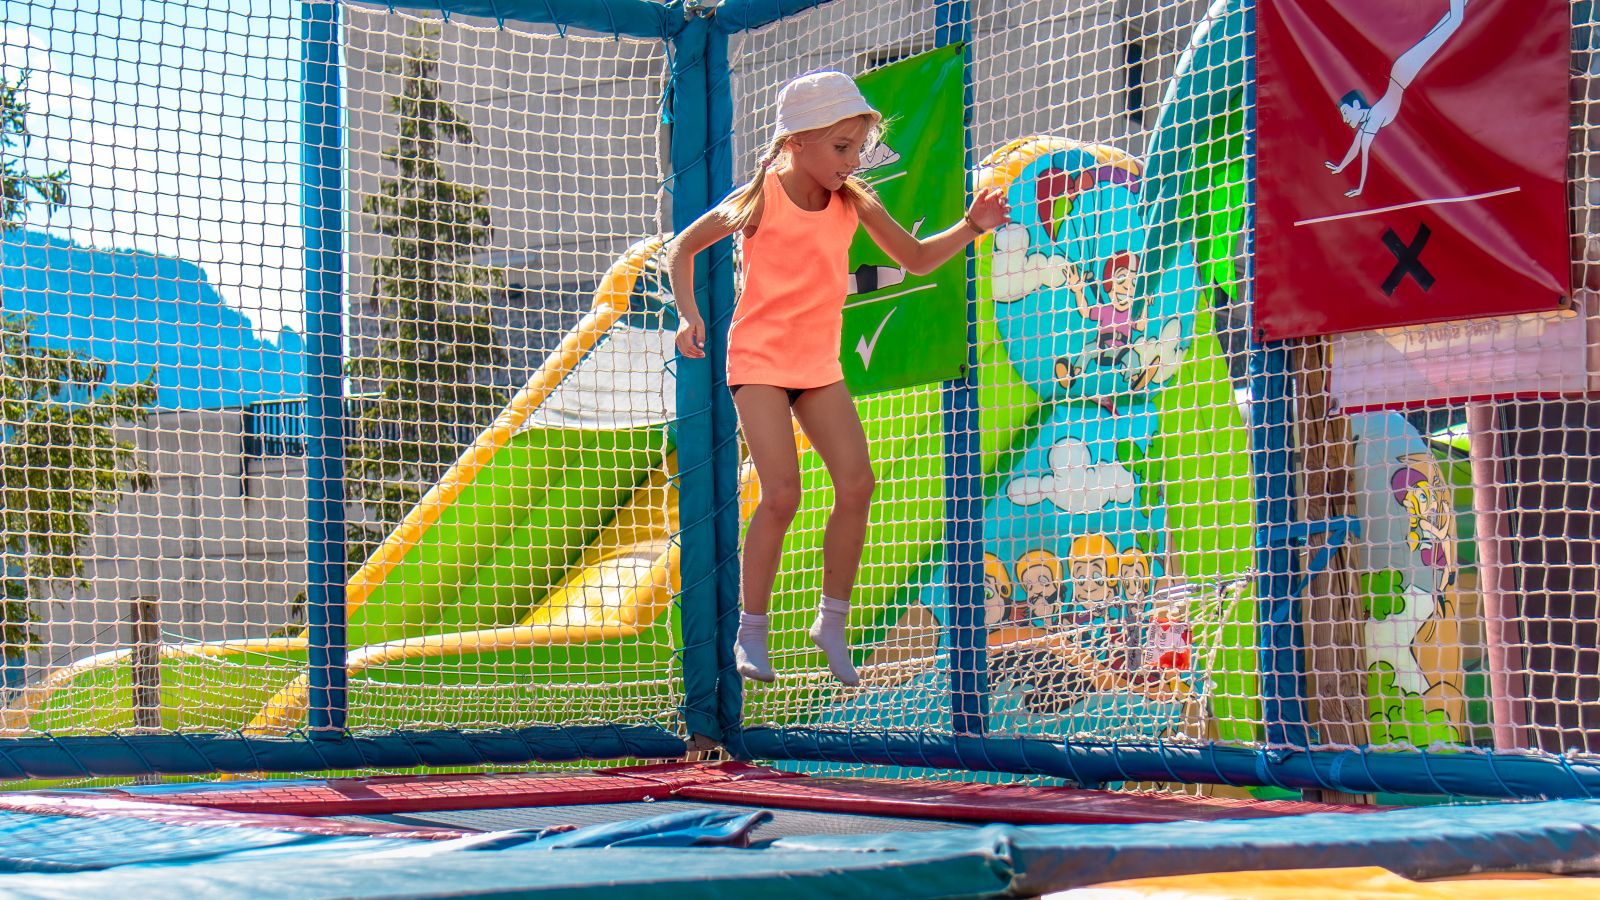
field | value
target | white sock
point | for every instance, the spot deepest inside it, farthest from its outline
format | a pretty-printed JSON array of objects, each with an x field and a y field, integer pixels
[
  {"x": 750, "y": 650},
  {"x": 829, "y": 634}
]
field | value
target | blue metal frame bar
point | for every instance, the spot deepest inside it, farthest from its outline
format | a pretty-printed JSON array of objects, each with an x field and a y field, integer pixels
[
  {"x": 966, "y": 638},
  {"x": 1417, "y": 772},
  {"x": 1282, "y": 657},
  {"x": 322, "y": 173},
  {"x": 1294, "y": 534}
]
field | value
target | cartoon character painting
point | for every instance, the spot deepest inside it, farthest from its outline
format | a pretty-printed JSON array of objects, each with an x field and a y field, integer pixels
[
  {"x": 1133, "y": 612},
  {"x": 1409, "y": 560},
  {"x": 1370, "y": 118},
  {"x": 1097, "y": 335},
  {"x": 1039, "y": 574},
  {"x": 1094, "y": 563},
  {"x": 1113, "y": 316},
  {"x": 998, "y": 593},
  {"x": 1421, "y": 490}
]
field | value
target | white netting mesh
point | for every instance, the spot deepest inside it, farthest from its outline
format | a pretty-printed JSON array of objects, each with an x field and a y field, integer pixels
[
  {"x": 522, "y": 167},
  {"x": 494, "y": 176},
  {"x": 554, "y": 563},
  {"x": 1128, "y": 617}
]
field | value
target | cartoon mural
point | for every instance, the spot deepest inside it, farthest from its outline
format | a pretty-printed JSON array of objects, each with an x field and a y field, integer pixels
[
  {"x": 1118, "y": 522},
  {"x": 1409, "y": 565},
  {"x": 1097, "y": 334}
]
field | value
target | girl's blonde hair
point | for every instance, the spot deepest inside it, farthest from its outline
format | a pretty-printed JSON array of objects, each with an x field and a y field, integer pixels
[{"x": 740, "y": 206}]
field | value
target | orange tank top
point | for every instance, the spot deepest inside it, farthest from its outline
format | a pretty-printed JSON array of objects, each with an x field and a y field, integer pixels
[{"x": 786, "y": 327}]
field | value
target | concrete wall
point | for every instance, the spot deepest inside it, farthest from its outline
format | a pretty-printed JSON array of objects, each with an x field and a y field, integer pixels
[{"x": 219, "y": 541}]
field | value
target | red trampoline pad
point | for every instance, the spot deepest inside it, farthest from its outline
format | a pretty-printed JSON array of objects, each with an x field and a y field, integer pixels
[
  {"x": 426, "y": 793},
  {"x": 1012, "y": 804},
  {"x": 438, "y": 793}
]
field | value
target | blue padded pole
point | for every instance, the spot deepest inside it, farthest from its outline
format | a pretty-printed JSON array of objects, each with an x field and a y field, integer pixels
[
  {"x": 748, "y": 15},
  {"x": 322, "y": 208},
  {"x": 966, "y": 637},
  {"x": 1465, "y": 774},
  {"x": 724, "y": 420},
  {"x": 695, "y": 426},
  {"x": 1282, "y": 657},
  {"x": 118, "y": 756}
]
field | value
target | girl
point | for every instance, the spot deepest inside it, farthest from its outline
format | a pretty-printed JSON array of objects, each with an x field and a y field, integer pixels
[{"x": 798, "y": 217}]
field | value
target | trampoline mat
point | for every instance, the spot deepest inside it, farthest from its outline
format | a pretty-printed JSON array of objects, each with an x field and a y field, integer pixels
[{"x": 785, "y": 822}]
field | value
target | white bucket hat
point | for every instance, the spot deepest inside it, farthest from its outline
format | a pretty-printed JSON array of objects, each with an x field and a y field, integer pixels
[{"x": 817, "y": 101}]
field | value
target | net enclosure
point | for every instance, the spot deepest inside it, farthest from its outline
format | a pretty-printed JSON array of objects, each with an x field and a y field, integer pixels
[{"x": 343, "y": 428}]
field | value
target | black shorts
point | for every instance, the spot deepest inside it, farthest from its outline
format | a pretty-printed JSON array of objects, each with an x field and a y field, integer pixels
[{"x": 794, "y": 393}]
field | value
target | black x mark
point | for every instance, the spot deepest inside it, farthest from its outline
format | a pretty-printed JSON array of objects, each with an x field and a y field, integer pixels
[{"x": 1407, "y": 264}]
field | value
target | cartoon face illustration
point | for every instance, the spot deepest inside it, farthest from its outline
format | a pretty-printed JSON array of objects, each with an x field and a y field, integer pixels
[
  {"x": 1352, "y": 107},
  {"x": 1094, "y": 563},
  {"x": 1135, "y": 577},
  {"x": 1421, "y": 489},
  {"x": 997, "y": 591},
  {"x": 1117, "y": 281},
  {"x": 1039, "y": 574}
]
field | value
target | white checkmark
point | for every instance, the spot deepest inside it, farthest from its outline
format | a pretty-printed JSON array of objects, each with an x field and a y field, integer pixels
[{"x": 864, "y": 347}]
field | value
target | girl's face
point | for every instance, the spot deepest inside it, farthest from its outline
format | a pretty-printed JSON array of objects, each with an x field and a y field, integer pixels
[{"x": 829, "y": 155}]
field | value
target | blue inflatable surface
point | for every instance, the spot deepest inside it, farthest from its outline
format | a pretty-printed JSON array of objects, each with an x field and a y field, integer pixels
[{"x": 668, "y": 857}]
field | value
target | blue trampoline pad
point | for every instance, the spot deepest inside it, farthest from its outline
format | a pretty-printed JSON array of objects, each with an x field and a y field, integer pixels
[{"x": 785, "y": 822}]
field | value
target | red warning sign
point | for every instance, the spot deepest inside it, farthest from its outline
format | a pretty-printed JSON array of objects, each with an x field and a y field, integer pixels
[{"x": 1412, "y": 162}]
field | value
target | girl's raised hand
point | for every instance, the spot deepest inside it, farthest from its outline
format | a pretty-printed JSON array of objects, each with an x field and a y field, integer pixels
[
  {"x": 691, "y": 338},
  {"x": 989, "y": 209}
]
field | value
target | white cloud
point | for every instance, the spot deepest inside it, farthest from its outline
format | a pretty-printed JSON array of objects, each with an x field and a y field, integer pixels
[
  {"x": 1015, "y": 273},
  {"x": 1075, "y": 484},
  {"x": 1157, "y": 359}
]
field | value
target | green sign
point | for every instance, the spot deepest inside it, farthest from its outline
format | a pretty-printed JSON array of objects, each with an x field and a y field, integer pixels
[{"x": 902, "y": 329}]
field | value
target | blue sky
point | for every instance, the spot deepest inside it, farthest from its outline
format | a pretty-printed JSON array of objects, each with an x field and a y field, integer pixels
[{"x": 179, "y": 124}]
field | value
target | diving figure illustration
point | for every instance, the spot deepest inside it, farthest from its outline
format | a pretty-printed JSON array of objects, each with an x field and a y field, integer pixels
[{"x": 1368, "y": 119}]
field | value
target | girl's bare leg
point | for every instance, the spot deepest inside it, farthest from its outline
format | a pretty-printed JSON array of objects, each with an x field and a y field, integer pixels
[
  {"x": 831, "y": 423},
  {"x": 769, "y": 433}
]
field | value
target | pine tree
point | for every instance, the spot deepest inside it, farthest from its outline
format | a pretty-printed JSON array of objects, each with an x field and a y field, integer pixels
[
  {"x": 18, "y": 188},
  {"x": 60, "y": 463},
  {"x": 425, "y": 388},
  {"x": 60, "y": 459}
]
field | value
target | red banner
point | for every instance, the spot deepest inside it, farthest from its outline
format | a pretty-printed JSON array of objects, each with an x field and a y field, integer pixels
[{"x": 1412, "y": 162}]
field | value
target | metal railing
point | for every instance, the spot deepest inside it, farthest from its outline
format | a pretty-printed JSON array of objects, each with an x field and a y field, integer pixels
[{"x": 275, "y": 428}]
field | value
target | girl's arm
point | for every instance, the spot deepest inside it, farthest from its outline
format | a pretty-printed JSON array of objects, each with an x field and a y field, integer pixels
[
  {"x": 715, "y": 225},
  {"x": 920, "y": 256}
]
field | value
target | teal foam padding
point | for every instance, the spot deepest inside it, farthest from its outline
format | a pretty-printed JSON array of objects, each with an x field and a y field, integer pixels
[
  {"x": 643, "y": 874},
  {"x": 111, "y": 756},
  {"x": 37, "y": 843},
  {"x": 745, "y": 15},
  {"x": 1463, "y": 774},
  {"x": 1561, "y": 837},
  {"x": 635, "y": 18}
]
